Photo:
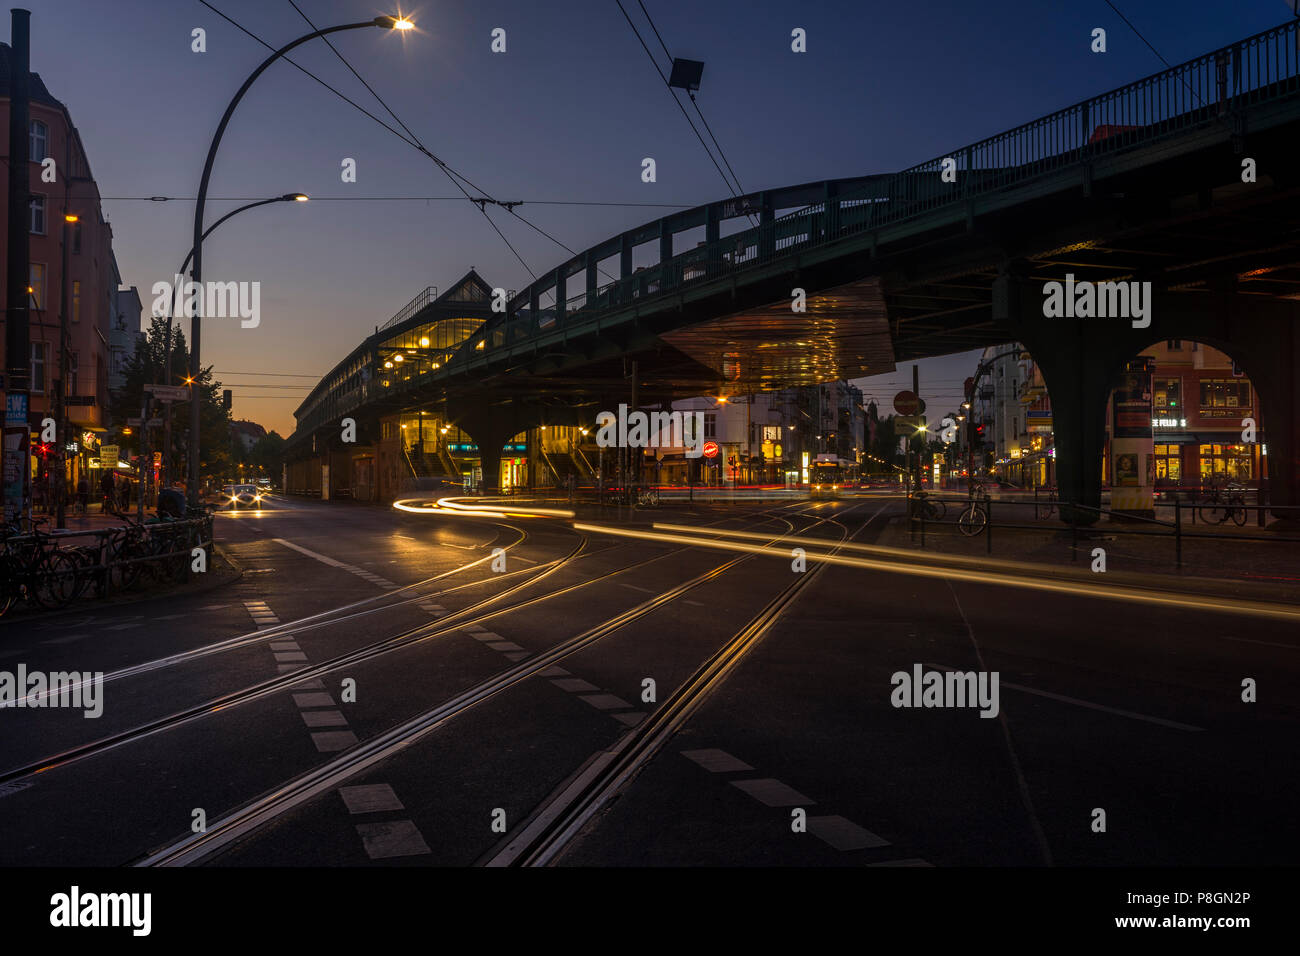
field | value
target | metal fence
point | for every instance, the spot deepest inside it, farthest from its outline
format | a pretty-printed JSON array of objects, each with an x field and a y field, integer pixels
[
  {"x": 1007, "y": 514},
  {"x": 120, "y": 558}
]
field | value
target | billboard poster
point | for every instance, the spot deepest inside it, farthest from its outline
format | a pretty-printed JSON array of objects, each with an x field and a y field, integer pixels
[{"x": 1132, "y": 404}]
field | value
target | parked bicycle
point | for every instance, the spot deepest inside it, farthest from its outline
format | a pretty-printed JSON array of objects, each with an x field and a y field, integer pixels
[
  {"x": 34, "y": 568},
  {"x": 1224, "y": 501},
  {"x": 923, "y": 506},
  {"x": 647, "y": 498},
  {"x": 974, "y": 518}
]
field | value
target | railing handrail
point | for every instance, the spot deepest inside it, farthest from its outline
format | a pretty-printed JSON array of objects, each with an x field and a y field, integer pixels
[{"x": 422, "y": 299}]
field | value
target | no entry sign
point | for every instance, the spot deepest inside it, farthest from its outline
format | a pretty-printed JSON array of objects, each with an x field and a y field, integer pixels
[{"x": 907, "y": 403}]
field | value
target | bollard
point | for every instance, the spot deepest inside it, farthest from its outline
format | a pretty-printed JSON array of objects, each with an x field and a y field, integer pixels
[
  {"x": 1074, "y": 534},
  {"x": 988, "y": 526},
  {"x": 1178, "y": 531}
]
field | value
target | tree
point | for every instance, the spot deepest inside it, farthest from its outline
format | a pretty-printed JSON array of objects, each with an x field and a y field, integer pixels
[
  {"x": 268, "y": 454},
  {"x": 147, "y": 366}
]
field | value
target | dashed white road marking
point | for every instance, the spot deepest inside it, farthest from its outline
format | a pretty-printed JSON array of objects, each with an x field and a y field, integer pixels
[
  {"x": 716, "y": 761},
  {"x": 397, "y": 838},
  {"x": 370, "y": 798},
  {"x": 324, "y": 718},
  {"x": 343, "y": 565},
  {"x": 332, "y": 740},
  {"x": 313, "y": 700},
  {"x": 605, "y": 701},
  {"x": 574, "y": 684},
  {"x": 843, "y": 834},
  {"x": 635, "y": 587},
  {"x": 773, "y": 792}
]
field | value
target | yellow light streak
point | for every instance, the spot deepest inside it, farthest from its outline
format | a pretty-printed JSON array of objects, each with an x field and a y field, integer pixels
[{"x": 1115, "y": 593}]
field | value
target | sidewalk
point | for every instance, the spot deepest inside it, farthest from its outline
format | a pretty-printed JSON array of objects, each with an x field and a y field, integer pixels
[{"x": 1267, "y": 570}]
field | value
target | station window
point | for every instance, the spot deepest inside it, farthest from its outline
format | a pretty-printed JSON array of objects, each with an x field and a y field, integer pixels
[
  {"x": 1232, "y": 462},
  {"x": 1168, "y": 393},
  {"x": 1225, "y": 393},
  {"x": 1169, "y": 463}
]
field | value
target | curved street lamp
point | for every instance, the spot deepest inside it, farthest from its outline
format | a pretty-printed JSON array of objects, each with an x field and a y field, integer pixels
[
  {"x": 178, "y": 295},
  {"x": 386, "y": 23}
]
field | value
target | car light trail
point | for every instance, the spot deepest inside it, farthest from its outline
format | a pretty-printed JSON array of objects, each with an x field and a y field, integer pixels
[
  {"x": 1116, "y": 593},
  {"x": 459, "y": 506}
]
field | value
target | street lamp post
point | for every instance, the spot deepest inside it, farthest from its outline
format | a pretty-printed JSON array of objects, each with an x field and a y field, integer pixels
[
  {"x": 60, "y": 413},
  {"x": 385, "y": 22},
  {"x": 179, "y": 295}
]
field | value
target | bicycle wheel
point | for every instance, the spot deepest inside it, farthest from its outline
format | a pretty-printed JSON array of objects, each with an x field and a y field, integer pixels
[
  {"x": 1239, "y": 514},
  {"x": 55, "y": 582},
  {"x": 1210, "y": 514},
  {"x": 124, "y": 547},
  {"x": 972, "y": 520}
]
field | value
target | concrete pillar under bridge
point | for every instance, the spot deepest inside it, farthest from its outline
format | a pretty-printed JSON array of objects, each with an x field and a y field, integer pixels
[
  {"x": 1082, "y": 359},
  {"x": 491, "y": 426}
]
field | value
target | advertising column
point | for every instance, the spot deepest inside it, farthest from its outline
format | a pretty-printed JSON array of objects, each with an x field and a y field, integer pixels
[{"x": 1132, "y": 450}]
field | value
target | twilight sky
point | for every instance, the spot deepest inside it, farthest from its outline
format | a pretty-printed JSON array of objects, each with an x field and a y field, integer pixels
[{"x": 566, "y": 113}]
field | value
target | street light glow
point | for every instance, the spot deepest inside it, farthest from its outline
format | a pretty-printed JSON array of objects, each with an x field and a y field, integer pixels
[
  {"x": 71, "y": 217},
  {"x": 394, "y": 23}
]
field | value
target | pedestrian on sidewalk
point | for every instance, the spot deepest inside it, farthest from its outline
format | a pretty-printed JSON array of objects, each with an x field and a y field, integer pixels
[
  {"x": 106, "y": 489},
  {"x": 83, "y": 494}
]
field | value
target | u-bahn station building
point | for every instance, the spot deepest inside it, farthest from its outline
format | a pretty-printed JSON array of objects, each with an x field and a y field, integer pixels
[{"x": 402, "y": 442}]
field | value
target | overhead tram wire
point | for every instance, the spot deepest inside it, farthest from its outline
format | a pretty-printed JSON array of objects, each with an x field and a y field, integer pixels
[
  {"x": 450, "y": 173},
  {"x": 528, "y": 202},
  {"x": 691, "y": 96},
  {"x": 480, "y": 202},
  {"x": 414, "y": 143},
  {"x": 655, "y": 63}
]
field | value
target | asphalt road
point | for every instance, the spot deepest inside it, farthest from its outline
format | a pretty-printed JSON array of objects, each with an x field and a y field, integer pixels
[{"x": 588, "y": 644}]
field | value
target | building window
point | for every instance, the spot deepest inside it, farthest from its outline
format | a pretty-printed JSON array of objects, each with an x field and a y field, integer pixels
[
  {"x": 1225, "y": 393},
  {"x": 76, "y": 239},
  {"x": 1169, "y": 463},
  {"x": 710, "y": 425},
  {"x": 37, "y": 224},
  {"x": 36, "y": 280},
  {"x": 72, "y": 374},
  {"x": 1225, "y": 462},
  {"x": 1168, "y": 393},
  {"x": 1175, "y": 345},
  {"x": 38, "y": 142},
  {"x": 76, "y": 300},
  {"x": 40, "y": 360}
]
